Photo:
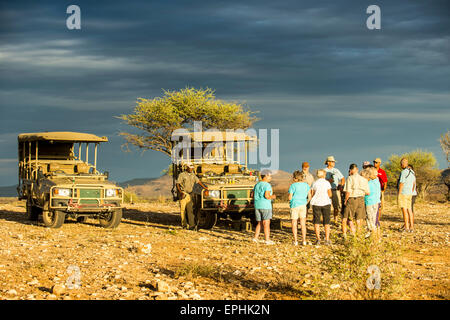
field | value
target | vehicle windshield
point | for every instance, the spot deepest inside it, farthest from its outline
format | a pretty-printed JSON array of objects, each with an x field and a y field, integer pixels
[{"x": 216, "y": 152}]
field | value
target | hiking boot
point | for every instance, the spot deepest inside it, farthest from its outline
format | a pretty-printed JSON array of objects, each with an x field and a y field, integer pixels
[
  {"x": 295, "y": 243},
  {"x": 318, "y": 243},
  {"x": 269, "y": 242},
  {"x": 304, "y": 243}
]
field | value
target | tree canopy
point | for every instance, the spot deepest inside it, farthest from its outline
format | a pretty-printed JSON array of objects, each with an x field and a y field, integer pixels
[{"x": 157, "y": 118}]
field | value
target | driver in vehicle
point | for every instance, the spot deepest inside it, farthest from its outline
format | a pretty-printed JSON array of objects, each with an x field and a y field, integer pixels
[{"x": 185, "y": 186}]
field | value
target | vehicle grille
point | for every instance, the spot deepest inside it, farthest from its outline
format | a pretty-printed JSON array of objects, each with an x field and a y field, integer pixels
[{"x": 90, "y": 193}]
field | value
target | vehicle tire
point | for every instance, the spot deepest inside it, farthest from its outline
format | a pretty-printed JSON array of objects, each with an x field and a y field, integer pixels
[
  {"x": 53, "y": 218},
  {"x": 82, "y": 219},
  {"x": 206, "y": 219},
  {"x": 111, "y": 219},
  {"x": 33, "y": 211}
]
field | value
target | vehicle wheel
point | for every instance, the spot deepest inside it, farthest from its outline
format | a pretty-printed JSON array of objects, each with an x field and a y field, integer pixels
[
  {"x": 207, "y": 220},
  {"x": 33, "y": 211},
  {"x": 111, "y": 219},
  {"x": 82, "y": 219},
  {"x": 53, "y": 218}
]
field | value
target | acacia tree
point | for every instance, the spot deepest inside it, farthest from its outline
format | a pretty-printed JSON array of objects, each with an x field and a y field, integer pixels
[
  {"x": 157, "y": 118},
  {"x": 425, "y": 168}
]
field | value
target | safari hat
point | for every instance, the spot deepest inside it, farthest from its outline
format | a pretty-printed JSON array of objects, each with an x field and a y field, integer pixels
[
  {"x": 305, "y": 165},
  {"x": 377, "y": 160},
  {"x": 330, "y": 158}
]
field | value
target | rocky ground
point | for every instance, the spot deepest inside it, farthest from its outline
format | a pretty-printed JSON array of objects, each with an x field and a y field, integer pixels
[{"x": 150, "y": 257}]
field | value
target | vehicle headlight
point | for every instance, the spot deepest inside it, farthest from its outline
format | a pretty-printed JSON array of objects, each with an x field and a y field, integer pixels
[
  {"x": 112, "y": 192},
  {"x": 62, "y": 192},
  {"x": 214, "y": 193}
]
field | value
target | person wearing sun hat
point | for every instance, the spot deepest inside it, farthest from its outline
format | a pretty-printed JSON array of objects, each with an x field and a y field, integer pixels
[
  {"x": 366, "y": 164},
  {"x": 337, "y": 181}
]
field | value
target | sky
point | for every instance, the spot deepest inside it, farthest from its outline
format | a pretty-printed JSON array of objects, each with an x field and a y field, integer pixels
[{"x": 312, "y": 69}]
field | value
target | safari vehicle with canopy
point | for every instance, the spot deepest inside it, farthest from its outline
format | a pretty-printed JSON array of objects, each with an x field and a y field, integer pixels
[
  {"x": 220, "y": 160},
  {"x": 58, "y": 181}
]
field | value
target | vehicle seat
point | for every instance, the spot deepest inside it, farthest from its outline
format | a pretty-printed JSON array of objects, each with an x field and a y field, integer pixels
[
  {"x": 82, "y": 168},
  {"x": 216, "y": 168},
  {"x": 232, "y": 168}
]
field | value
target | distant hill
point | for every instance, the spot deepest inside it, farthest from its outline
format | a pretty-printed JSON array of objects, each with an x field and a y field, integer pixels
[
  {"x": 150, "y": 187},
  {"x": 8, "y": 191},
  {"x": 160, "y": 187}
]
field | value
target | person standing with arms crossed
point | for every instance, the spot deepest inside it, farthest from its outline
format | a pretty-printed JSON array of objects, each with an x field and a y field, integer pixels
[
  {"x": 337, "y": 181},
  {"x": 185, "y": 187},
  {"x": 406, "y": 184},
  {"x": 382, "y": 177}
]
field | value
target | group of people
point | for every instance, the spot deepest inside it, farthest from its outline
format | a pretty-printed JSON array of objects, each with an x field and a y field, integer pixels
[{"x": 358, "y": 198}]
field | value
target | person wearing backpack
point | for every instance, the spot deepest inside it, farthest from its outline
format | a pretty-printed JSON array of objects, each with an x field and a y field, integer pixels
[{"x": 406, "y": 183}]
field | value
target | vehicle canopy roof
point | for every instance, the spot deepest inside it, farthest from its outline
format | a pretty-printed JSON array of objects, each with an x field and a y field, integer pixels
[
  {"x": 216, "y": 136},
  {"x": 61, "y": 136}
]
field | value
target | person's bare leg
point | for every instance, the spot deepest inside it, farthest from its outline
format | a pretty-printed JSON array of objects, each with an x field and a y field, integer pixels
[
  {"x": 317, "y": 231},
  {"x": 294, "y": 229},
  {"x": 257, "y": 230},
  {"x": 411, "y": 219},
  {"x": 406, "y": 218},
  {"x": 327, "y": 232},
  {"x": 344, "y": 226},
  {"x": 358, "y": 225},
  {"x": 266, "y": 226},
  {"x": 303, "y": 224},
  {"x": 352, "y": 227}
]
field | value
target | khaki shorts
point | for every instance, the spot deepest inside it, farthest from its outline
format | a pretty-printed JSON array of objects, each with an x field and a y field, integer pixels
[
  {"x": 298, "y": 212},
  {"x": 336, "y": 199},
  {"x": 404, "y": 201},
  {"x": 355, "y": 209}
]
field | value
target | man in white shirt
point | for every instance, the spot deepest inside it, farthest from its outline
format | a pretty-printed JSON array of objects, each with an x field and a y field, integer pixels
[{"x": 356, "y": 187}]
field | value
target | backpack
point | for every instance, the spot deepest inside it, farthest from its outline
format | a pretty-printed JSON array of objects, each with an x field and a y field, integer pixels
[{"x": 409, "y": 172}]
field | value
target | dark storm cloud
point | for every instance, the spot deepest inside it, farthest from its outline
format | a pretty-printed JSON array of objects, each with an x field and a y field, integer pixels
[{"x": 296, "y": 61}]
